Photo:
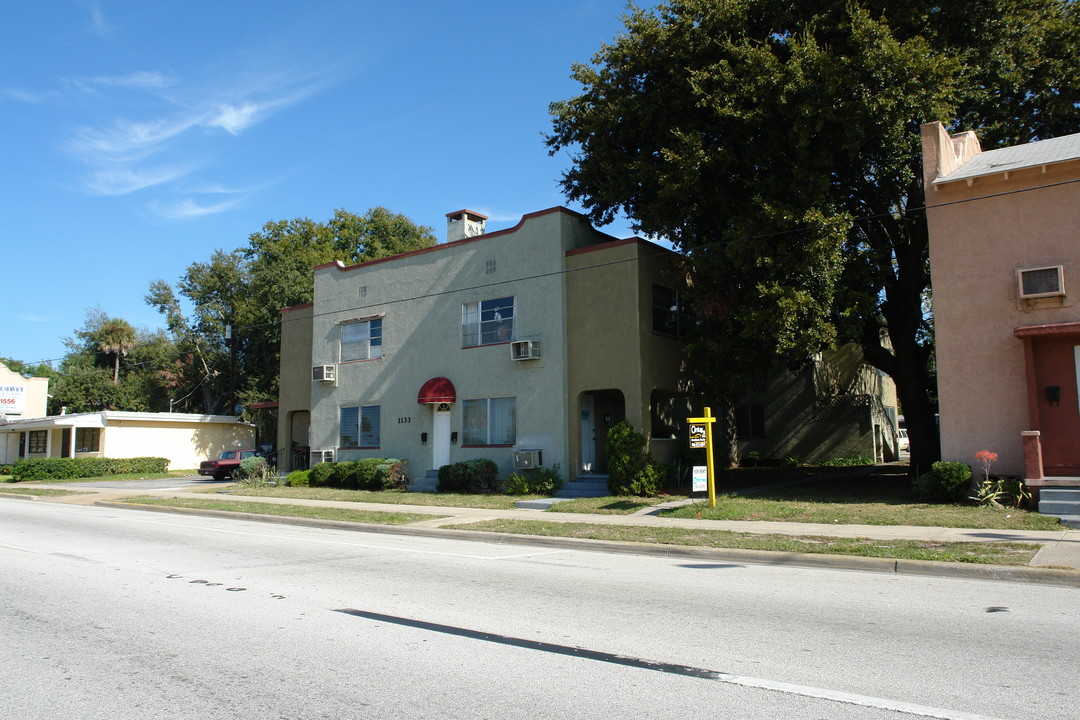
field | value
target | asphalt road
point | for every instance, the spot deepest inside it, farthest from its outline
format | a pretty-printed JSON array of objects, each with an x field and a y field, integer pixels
[{"x": 111, "y": 613}]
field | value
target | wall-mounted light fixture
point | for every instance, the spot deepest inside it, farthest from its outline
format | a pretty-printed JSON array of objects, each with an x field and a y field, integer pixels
[
  {"x": 453, "y": 438},
  {"x": 423, "y": 438},
  {"x": 1053, "y": 394}
]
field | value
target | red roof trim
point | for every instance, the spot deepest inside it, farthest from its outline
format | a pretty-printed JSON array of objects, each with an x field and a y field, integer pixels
[
  {"x": 301, "y": 306},
  {"x": 524, "y": 218},
  {"x": 1069, "y": 328},
  {"x": 267, "y": 405}
]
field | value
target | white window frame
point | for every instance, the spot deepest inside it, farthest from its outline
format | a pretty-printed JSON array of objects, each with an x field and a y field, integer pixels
[
  {"x": 489, "y": 322},
  {"x": 361, "y": 339},
  {"x": 351, "y": 420},
  {"x": 481, "y": 422}
]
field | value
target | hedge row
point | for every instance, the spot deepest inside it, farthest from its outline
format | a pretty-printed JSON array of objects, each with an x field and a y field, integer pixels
[
  {"x": 366, "y": 474},
  {"x": 76, "y": 468}
]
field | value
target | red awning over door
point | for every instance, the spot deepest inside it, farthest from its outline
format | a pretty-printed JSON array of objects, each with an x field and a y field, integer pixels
[{"x": 436, "y": 391}]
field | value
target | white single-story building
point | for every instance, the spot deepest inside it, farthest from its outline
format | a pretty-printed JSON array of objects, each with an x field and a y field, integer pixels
[{"x": 186, "y": 439}]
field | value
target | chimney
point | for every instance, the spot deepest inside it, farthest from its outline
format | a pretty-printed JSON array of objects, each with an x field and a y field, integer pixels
[{"x": 464, "y": 224}]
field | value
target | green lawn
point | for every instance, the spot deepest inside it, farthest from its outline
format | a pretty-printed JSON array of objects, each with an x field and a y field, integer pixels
[
  {"x": 258, "y": 508},
  {"x": 965, "y": 552},
  {"x": 880, "y": 497},
  {"x": 127, "y": 476},
  {"x": 42, "y": 492},
  {"x": 395, "y": 497}
]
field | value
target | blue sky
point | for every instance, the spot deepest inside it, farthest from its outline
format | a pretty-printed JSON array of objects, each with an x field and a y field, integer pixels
[{"x": 137, "y": 138}]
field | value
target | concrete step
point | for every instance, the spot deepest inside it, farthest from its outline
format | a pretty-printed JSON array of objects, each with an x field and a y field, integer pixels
[
  {"x": 539, "y": 503},
  {"x": 1059, "y": 508},
  {"x": 584, "y": 486},
  {"x": 1060, "y": 494},
  {"x": 1072, "y": 521},
  {"x": 426, "y": 483}
]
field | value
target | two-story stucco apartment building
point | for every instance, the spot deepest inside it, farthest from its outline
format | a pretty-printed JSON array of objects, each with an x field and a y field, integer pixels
[
  {"x": 539, "y": 337},
  {"x": 1005, "y": 263}
]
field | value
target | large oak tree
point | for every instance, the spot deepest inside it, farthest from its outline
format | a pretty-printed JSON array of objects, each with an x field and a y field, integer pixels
[{"x": 776, "y": 144}]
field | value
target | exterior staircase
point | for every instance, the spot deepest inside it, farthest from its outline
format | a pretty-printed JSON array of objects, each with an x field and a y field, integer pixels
[
  {"x": 1061, "y": 502},
  {"x": 592, "y": 485},
  {"x": 428, "y": 483}
]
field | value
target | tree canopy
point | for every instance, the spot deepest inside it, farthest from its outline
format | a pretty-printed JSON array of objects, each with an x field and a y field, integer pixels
[
  {"x": 777, "y": 145},
  {"x": 246, "y": 288}
]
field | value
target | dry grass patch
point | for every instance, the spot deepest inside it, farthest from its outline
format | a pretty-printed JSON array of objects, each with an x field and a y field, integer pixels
[
  {"x": 393, "y": 497},
  {"x": 302, "y": 511}
]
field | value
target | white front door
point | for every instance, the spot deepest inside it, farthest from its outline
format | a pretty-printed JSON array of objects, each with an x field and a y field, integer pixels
[
  {"x": 588, "y": 434},
  {"x": 440, "y": 437}
]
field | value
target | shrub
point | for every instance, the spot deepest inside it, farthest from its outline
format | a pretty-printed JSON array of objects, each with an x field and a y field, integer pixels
[
  {"x": 391, "y": 474},
  {"x": 1002, "y": 492},
  {"x": 946, "y": 482},
  {"x": 631, "y": 470},
  {"x": 253, "y": 472},
  {"x": 540, "y": 481},
  {"x": 344, "y": 475},
  {"x": 319, "y": 476},
  {"x": 298, "y": 478},
  {"x": 848, "y": 461},
  {"x": 479, "y": 475},
  {"x": 75, "y": 468}
]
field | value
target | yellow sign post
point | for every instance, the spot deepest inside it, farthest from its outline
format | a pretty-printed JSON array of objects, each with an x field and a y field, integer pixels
[{"x": 701, "y": 437}]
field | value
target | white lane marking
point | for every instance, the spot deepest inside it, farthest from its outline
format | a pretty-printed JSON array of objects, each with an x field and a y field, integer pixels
[
  {"x": 852, "y": 698},
  {"x": 369, "y": 546}
]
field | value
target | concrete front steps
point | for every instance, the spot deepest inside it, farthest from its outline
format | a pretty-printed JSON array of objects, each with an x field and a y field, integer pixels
[
  {"x": 1061, "y": 502},
  {"x": 580, "y": 486}
]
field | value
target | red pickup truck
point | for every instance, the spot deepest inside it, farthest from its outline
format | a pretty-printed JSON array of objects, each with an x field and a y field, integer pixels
[{"x": 224, "y": 466}]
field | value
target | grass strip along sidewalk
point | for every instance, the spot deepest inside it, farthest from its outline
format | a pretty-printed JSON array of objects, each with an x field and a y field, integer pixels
[
  {"x": 42, "y": 492},
  {"x": 300, "y": 511},
  {"x": 965, "y": 552},
  {"x": 982, "y": 553}
]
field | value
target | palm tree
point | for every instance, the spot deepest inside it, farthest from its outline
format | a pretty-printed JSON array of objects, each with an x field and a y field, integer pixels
[{"x": 115, "y": 337}]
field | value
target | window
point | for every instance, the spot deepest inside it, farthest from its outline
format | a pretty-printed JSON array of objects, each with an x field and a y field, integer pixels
[
  {"x": 490, "y": 421},
  {"x": 670, "y": 315},
  {"x": 87, "y": 439},
  {"x": 359, "y": 426},
  {"x": 750, "y": 420},
  {"x": 361, "y": 340},
  {"x": 489, "y": 267},
  {"x": 487, "y": 322},
  {"x": 37, "y": 441}
]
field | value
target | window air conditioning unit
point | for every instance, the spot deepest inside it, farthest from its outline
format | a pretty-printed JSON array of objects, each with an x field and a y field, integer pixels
[
  {"x": 525, "y": 349},
  {"x": 1041, "y": 282},
  {"x": 324, "y": 456},
  {"x": 527, "y": 459},
  {"x": 324, "y": 373}
]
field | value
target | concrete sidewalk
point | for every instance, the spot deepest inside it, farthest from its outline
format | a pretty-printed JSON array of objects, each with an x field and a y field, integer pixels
[{"x": 1060, "y": 548}]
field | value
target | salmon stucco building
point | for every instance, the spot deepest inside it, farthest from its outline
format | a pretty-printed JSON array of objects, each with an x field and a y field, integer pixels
[{"x": 1005, "y": 263}]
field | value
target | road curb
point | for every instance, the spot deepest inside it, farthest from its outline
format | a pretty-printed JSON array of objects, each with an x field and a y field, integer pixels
[{"x": 1002, "y": 573}]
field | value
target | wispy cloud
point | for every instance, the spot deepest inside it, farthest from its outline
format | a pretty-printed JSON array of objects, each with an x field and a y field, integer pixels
[
  {"x": 189, "y": 208},
  {"x": 37, "y": 318},
  {"x": 126, "y": 180},
  {"x": 142, "y": 79}
]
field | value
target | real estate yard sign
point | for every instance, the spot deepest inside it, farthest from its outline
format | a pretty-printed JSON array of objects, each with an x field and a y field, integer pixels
[
  {"x": 12, "y": 399},
  {"x": 701, "y": 437}
]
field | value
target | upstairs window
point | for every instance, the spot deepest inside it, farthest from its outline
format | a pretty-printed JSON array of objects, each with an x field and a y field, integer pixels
[
  {"x": 359, "y": 427},
  {"x": 361, "y": 340},
  {"x": 670, "y": 315},
  {"x": 487, "y": 322}
]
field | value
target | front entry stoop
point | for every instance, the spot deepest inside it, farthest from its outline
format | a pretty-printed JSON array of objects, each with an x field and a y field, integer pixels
[
  {"x": 592, "y": 485},
  {"x": 1061, "y": 502}
]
